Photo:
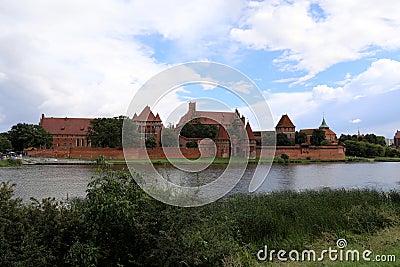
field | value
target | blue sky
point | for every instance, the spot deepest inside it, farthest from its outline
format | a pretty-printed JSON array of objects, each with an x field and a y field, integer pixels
[{"x": 88, "y": 58}]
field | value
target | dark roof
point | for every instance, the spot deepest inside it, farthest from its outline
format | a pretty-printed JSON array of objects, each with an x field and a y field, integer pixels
[
  {"x": 323, "y": 124},
  {"x": 397, "y": 135},
  {"x": 71, "y": 126},
  {"x": 285, "y": 122}
]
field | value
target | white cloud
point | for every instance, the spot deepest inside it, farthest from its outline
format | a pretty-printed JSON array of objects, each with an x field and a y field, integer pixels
[
  {"x": 74, "y": 58},
  {"x": 356, "y": 121},
  {"x": 349, "y": 30}
]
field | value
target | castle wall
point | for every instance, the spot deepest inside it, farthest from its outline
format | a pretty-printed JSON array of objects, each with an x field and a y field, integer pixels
[
  {"x": 294, "y": 152},
  {"x": 298, "y": 152}
]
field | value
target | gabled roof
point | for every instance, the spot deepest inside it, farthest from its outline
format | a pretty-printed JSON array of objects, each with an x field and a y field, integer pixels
[
  {"x": 310, "y": 131},
  {"x": 145, "y": 115},
  {"x": 285, "y": 122},
  {"x": 217, "y": 117},
  {"x": 70, "y": 126},
  {"x": 249, "y": 132},
  {"x": 222, "y": 134},
  {"x": 157, "y": 118},
  {"x": 397, "y": 135}
]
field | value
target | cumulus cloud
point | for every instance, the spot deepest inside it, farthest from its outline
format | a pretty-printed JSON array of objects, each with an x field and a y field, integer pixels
[
  {"x": 74, "y": 58},
  {"x": 356, "y": 121},
  {"x": 315, "y": 35}
]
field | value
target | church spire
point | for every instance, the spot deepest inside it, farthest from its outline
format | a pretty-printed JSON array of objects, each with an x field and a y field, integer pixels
[{"x": 323, "y": 123}]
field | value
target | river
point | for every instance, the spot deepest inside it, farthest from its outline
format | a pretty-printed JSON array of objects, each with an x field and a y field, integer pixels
[{"x": 60, "y": 181}]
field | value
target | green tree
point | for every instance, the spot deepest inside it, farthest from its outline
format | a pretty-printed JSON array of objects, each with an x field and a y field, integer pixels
[
  {"x": 151, "y": 142},
  {"x": 169, "y": 138},
  {"x": 192, "y": 144},
  {"x": 300, "y": 137},
  {"x": 268, "y": 138},
  {"x": 107, "y": 132},
  {"x": 195, "y": 129},
  {"x": 5, "y": 144},
  {"x": 283, "y": 140},
  {"x": 25, "y": 135},
  {"x": 317, "y": 137}
]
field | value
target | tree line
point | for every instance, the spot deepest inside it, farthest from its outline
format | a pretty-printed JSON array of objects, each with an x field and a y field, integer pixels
[{"x": 369, "y": 145}]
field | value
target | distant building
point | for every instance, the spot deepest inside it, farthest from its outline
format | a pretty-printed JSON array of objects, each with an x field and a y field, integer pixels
[
  {"x": 226, "y": 145},
  {"x": 397, "y": 139},
  {"x": 389, "y": 142},
  {"x": 67, "y": 132},
  {"x": 286, "y": 126},
  {"x": 148, "y": 124},
  {"x": 329, "y": 134}
]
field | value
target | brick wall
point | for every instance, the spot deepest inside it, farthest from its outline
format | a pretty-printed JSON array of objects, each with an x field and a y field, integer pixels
[{"x": 297, "y": 152}]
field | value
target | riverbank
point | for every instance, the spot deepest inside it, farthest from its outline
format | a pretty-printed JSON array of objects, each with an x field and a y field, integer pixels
[
  {"x": 10, "y": 162},
  {"x": 117, "y": 223},
  {"x": 277, "y": 160}
]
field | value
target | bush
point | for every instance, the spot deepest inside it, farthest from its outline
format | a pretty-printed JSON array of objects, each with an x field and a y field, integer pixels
[{"x": 192, "y": 144}]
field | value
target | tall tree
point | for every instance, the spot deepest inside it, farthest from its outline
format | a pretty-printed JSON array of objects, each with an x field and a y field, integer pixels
[
  {"x": 25, "y": 135},
  {"x": 317, "y": 137},
  {"x": 5, "y": 144},
  {"x": 107, "y": 132},
  {"x": 283, "y": 140},
  {"x": 169, "y": 138},
  {"x": 300, "y": 137}
]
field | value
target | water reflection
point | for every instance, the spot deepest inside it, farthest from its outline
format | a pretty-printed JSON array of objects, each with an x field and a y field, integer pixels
[{"x": 60, "y": 181}]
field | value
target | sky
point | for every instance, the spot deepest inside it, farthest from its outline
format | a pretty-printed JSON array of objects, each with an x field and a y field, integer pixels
[{"x": 308, "y": 57}]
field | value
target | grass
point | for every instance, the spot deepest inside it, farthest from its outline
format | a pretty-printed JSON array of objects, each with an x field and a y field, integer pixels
[
  {"x": 117, "y": 224},
  {"x": 10, "y": 162}
]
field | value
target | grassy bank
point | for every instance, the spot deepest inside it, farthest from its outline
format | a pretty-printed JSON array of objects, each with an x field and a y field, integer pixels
[
  {"x": 117, "y": 223},
  {"x": 9, "y": 162}
]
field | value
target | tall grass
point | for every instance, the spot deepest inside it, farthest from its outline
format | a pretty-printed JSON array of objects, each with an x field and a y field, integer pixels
[{"x": 118, "y": 224}]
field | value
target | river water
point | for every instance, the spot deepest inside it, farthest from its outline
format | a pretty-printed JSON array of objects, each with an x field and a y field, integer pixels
[{"x": 62, "y": 181}]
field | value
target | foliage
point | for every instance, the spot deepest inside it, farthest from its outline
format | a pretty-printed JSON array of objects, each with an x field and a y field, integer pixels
[
  {"x": 370, "y": 138},
  {"x": 118, "y": 224},
  {"x": 10, "y": 162},
  {"x": 192, "y": 144},
  {"x": 283, "y": 140},
  {"x": 363, "y": 149},
  {"x": 268, "y": 138},
  {"x": 300, "y": 137},
  {"x": 317, "y": 137},
  {"x": 195, "y": 129},
  {"x": 151, "y": 142},
  {"x": 107, "y": 132},
  {"x": 5, "y": 144},
  {"x": 169, "y": 138},
  {"x": 285, "y": 157},
  {"x": 325, "y": 143},
  {"x": 23, "y": 135}
]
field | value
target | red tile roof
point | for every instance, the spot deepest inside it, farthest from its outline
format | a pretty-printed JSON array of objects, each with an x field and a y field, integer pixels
[
  {"x": 285, "y": 122},
  {"x": 70, "y": 126},
  {"x": 145, "y": 115},
  {"x": 222, "y": 134},
  {"x": 249, "y": 132}
]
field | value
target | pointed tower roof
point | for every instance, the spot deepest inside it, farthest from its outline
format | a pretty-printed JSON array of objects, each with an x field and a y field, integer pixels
[
  {"x": 146, "y": 115},
  {"x": 157, "y": 118},
  {"x": 134, "y": 116},
  {"x": 249, "y": 132},
  {"x": 323, "y": 124},
  {"x": 285, "y": 122}
]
